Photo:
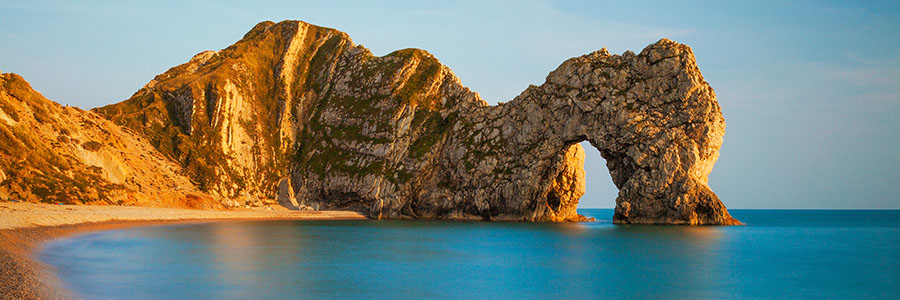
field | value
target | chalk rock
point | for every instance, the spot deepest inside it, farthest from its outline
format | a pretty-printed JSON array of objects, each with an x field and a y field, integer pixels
[{"x": 399, "y": 136}]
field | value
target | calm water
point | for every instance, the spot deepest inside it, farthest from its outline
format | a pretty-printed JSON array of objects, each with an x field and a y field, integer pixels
[{"x": 779, "y": 254}]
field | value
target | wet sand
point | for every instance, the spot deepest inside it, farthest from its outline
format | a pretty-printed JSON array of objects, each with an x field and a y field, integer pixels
[{"x": 25, "y": 226}]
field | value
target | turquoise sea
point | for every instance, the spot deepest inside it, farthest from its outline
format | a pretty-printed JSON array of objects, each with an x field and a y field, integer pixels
[{"x": 779, "y": 254}]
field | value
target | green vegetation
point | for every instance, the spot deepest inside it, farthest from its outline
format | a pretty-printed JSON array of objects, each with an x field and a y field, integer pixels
[
  {"x": 259, "y": 28},
  {"x": 355, "y": 108},
  {"x": 399, "y": 177},
  {"x": 335, "y": 159},
  {"x": 327, "y": 53},
  {"x": 444, "y": 183},
  {"x": 347, "y": 133},
  {"x": 434, "y": 128},
  {"x": 427, "y": 71}
]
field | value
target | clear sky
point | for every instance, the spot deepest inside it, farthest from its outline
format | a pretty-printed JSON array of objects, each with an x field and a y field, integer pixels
[{"x": 810, "y": 90}]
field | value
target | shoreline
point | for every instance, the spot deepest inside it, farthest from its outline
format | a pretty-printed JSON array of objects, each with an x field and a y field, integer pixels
[{"x": 23, "y": 232}]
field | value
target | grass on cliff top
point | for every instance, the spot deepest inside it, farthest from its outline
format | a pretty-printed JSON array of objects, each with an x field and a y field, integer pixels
[
  {"x": 42, "y": 172},
  {"x": 426, "y": 73},
  {"x": 18, "y": 88}
]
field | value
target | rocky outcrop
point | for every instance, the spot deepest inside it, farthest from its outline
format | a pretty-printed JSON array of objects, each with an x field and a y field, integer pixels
[
  {"x": 300, "y": 113},
  {"x": 59, "y": 154},
  {"x": 651, "y": 115}
]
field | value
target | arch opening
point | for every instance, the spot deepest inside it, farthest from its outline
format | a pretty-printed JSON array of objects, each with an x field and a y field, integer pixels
[
  {"x": 600, "y": 190},
  {"x": 580, "y": 181}
]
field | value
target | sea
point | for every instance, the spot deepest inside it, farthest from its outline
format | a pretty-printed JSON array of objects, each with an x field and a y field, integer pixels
[{"x": 778, "y": 254}]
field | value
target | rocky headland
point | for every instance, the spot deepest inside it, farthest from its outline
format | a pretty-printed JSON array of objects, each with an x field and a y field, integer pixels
[{"x": 299, "y": 114}]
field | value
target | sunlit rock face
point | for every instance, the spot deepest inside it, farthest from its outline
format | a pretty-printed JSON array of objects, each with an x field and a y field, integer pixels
[
  {"x": 651, "y": 115},
  {"x": 60, "y": 154},
  {"x": 299, "y": 113}
]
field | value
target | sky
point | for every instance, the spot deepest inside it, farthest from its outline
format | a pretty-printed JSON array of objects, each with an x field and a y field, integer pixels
[{"x": 810, "y": 90}]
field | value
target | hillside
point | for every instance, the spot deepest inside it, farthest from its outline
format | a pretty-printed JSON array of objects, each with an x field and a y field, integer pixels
[{"x": 56, "y": 154}]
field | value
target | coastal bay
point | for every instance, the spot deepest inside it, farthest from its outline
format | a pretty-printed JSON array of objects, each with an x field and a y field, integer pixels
[{"x": 24, "y": 227}]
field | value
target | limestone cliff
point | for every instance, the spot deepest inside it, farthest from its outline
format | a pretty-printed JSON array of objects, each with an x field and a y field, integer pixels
[
  {"x": 300, "y": 113},
  {"x": 52, "y": 153}
]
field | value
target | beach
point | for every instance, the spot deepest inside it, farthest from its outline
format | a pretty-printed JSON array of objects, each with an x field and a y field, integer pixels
[{"x": 25, "y": 226}]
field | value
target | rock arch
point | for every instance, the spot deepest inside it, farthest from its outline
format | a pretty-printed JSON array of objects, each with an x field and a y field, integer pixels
[
  {"x": 302, "y": 114},
  {"x": 651, "y": 115}
]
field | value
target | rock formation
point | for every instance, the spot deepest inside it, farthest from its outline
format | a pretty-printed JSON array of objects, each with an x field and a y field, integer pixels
[
  {"x": 651, "y": 115},
  {"x": 301, "y": 114},
  {"x": 59, "y": 154}
]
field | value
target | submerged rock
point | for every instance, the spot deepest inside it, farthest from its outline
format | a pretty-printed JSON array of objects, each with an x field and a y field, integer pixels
[{"x": 300, "y": 113}]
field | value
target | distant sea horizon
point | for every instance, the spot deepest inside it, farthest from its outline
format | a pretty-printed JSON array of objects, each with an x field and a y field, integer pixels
[{"x": 780, "y": 253}]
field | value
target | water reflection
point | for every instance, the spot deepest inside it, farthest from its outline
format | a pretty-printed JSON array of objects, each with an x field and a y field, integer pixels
[
  {"x": 432, "y": 259},
  {"x": 239, "y": 254}
]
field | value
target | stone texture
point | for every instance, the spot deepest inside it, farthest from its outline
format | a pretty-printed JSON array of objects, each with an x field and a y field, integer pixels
[
  {"x": 60, "y": 154},
  {"x": 651, "y": 115},
  {"x": 300, "y": 113},
  {"x": 286, "y": 195}
]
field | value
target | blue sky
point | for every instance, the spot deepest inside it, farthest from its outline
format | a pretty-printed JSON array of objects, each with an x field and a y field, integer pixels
[{"x": 810, "y": 90}]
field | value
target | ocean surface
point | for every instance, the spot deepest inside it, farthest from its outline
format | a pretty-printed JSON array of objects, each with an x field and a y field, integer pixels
[{"x": 790, "y": 254}]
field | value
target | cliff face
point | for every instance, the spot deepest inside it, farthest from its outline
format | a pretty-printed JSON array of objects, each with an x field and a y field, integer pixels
[
  {"x": 292, "y": 101},
  {"x": 52, "y": 153},
  {"x": 299, "y": 113}
]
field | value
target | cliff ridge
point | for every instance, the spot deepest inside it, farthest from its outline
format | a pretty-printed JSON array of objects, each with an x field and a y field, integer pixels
[{"x": 301, "y": 114}]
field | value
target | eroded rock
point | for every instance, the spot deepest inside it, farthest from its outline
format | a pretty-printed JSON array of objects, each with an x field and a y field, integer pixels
[{"x": 300, "y": 113}]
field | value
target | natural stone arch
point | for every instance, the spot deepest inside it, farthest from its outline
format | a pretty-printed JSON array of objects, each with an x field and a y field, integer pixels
[
  {"x": 655, "y": 121},
  {"x": 652, "y": 117},
  {"x": 300, "y": 113}
]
